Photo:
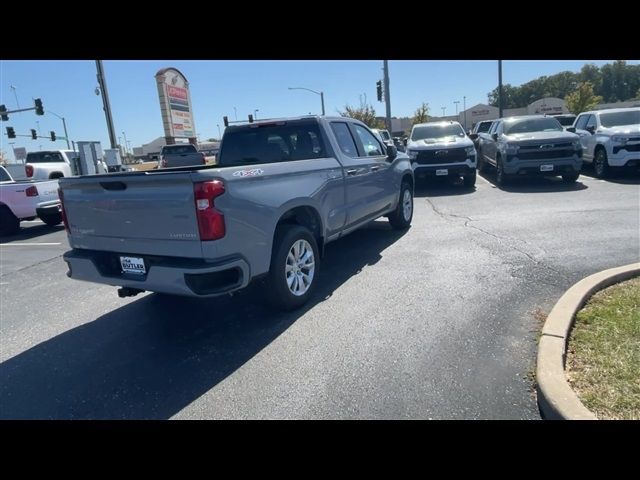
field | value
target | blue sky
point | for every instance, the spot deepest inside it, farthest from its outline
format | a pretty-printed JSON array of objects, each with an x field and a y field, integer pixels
[{"x": 67, "y": 88}]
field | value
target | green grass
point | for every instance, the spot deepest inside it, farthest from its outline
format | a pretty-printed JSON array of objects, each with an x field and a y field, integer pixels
[{"x": 603, "y": 355}]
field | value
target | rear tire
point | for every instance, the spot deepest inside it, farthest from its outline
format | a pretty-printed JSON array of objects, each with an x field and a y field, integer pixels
[
  {"x": 401, "y": 217},
  {"x": 53, "y": 219},
  {"x": 9, "y": 223},
  {"x": 294, "y": 267}
]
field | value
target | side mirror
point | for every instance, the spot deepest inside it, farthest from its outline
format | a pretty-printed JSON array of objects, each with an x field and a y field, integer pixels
[
  {"x": 473, "y": 136},
  {"x": 392, "y": 152},
  {"x": 495, "y": 136},
  {"x": 591, "y": 130},
  {"x": 571, "y": 129}
]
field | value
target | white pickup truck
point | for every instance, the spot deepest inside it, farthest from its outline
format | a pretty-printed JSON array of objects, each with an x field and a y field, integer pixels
[
  {"x": 26, "y": 200},
  {"x": 50, "y": 164}
]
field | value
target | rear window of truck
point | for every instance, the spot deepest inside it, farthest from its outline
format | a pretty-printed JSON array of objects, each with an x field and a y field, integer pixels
[
  {"x": 44, "y": 157},
  {"x": 178, "y": 149},
  {"x": 269, "y": 143}
]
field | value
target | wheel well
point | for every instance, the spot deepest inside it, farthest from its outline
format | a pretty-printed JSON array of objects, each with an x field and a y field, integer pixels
[
  {"x": 306, "y": 217},
  {"x": 56, "y": 175},
  {"x": 408, "y": 179},
  {"x": 598, "y": 148}
]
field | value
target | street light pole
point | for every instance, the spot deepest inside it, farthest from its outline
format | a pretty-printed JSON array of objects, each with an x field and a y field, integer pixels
[
  {"x": 219, "y": 134},
  {"x": 443, "y": 109},
  {"x": 15, "y": 94},
  {"x": 255, "y": 113},
  {"x": 125, "y": 143},
  {"x": 500, "y": 99},
  {"x": 456, "y": 102},
  {"x": 64, "y": 124},
  {"x": 387, "y": 96},
  {"x": 313, "y": 91}
]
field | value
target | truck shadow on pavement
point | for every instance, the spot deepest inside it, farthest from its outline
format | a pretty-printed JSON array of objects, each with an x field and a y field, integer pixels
[
  {"x": 621, "y": 177},
  {"x": 440, "y": 187},
  {"x": 29, "y": 232},
  {"x": 154, "y": 356},
  {"x": 533, "y": 184}
]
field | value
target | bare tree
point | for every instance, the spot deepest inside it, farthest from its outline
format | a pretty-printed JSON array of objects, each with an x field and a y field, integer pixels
[
  {"x": 421, "y": 115},
  {"x": 365, "y": 113}
]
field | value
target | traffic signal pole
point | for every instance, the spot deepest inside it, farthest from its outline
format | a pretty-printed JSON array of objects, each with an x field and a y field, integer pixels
[
  {"x": 387, "y": 96},
  {"x": 105, "y": 101}
]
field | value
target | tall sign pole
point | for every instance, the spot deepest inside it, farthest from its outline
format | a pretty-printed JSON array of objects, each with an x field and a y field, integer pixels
[
  {"x": 387, "y": 96},
  {"x": 105, "y": 101}
]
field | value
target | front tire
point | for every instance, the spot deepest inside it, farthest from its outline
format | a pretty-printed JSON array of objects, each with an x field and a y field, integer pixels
[
  {"x": 401, "y": 217},
  {"x": 501, "y": 178},
  {"x": 469, "y": 181},
  {"x": 570, "y": 177},
  {"x": 601, "y": 164},
  {"x": 294, "y": 267}
]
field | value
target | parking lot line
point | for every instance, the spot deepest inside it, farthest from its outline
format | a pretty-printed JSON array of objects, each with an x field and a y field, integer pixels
[{"x": 27, "y": 244}]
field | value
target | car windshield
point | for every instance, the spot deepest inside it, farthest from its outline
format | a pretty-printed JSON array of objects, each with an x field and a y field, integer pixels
[
  {"x": 437, "y": 131},
  {"x": 532, "y": 125},
  {"x": 178, "y": 149},
  {"x": 44, "y": 157},
  {"x": 271, "y": 143},
  {"x": 566, "y": 121},
  {"x": 618, "y": 119}
]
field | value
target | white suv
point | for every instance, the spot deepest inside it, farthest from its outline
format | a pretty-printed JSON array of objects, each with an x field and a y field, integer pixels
[{"x": 610, "y": 138}]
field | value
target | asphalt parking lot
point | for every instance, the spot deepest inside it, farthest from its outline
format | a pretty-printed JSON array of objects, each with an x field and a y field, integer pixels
[{"x": 436, "y": 322}]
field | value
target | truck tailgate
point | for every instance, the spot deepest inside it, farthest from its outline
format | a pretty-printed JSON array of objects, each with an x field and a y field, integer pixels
[{"x": 146, "y": 213}]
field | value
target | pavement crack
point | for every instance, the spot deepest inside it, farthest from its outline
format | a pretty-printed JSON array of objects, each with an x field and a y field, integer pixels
[{"x": 508, "y": 241}]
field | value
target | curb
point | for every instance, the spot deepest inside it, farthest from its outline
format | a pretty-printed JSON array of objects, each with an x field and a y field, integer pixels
[{"x": 556, "y": 398}]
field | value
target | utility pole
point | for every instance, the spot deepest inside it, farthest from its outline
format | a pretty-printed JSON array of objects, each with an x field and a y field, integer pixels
[
  {"x": 387, "y": 96},
  {"x": 456, "y": 102},
  {"x": 443, "y": 109},
  {"x": 500, "y": 99},
  {"x": 105, "y": 101},
  {"x": 464, "y": 107}
]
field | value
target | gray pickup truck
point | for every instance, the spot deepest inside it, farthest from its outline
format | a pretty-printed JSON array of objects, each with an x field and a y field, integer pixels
[
  {"x": 282, "y": 189},
  {"x": 530, "y": 145},
  {"x": 184, "y": 155}
]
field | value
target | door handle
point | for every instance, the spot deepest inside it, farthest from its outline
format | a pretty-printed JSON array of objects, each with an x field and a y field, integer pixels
[
  {"x": 352, "y": 171},
  {"x": 375, "y": 168}
]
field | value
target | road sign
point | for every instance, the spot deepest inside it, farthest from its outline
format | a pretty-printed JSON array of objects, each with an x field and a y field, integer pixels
[{"x": 20, "y": 153}]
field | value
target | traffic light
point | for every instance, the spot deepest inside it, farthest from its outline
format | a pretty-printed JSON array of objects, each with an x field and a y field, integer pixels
[
  {"x": 11, "y": 132},
  {"x": 39, "y": 109},
  {"x": 34, "y": 134},
  {"x": 3, "y": 113},
  {"x": 53, "y": 136},
  {"x": 250, "y": 118},
  {"x": 379, "y": 89}
]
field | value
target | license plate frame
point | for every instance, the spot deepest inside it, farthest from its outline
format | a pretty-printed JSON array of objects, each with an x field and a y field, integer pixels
[{"x": 133, "y": 265}]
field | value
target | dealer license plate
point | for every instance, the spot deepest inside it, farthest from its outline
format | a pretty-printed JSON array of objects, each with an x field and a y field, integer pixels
[{"x": 133, "y": 265}]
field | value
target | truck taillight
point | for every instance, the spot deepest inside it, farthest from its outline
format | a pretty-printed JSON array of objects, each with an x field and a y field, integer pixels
[
  {"x": 64, "y": 214},
  {"x": 28, "y": 170},
  {"x": 210, "y": 220},
  {"x": 32, "y": 191}
]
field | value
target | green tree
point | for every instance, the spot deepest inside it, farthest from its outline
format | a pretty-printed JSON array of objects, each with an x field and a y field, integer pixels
[
  {"x": 421, "y": 115},
  {"x": 582, "y": 99},
  {"x": 365, "y": 113}
]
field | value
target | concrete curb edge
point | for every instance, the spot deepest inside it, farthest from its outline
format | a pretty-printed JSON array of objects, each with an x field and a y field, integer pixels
[{"x": 556, "y": 398}]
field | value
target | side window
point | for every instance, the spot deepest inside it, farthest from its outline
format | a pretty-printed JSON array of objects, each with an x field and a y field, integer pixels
[
  {"x": 581, "y": 122},
  {"x": 345, "y": 140},
  {"x": 592, "y": 121},
  {"x": 370, "y": 144}
]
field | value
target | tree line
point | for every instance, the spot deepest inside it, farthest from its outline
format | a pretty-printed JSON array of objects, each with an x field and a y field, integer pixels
[{"x": 614, "y": 82}]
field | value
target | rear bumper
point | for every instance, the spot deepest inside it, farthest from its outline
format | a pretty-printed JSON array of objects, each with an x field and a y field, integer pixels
[
  {"x": 48, "y": 208},
  {"x": 172, "y": 275}
]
